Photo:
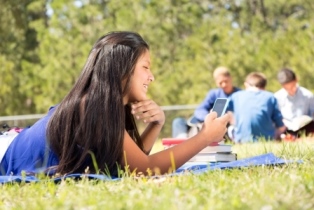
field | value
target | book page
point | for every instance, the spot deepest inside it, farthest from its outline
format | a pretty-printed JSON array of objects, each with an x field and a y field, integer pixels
[{"x": 298, "y": 122}]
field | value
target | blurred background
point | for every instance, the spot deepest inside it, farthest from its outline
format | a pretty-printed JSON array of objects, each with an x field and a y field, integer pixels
[{"x": 44, "y": 45}]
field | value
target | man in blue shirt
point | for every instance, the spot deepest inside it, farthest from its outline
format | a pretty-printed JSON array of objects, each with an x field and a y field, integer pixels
[
  {"x": 225, "y": 89},
  {"x": 181, "y": 128},
  {"x": 256, "y": 112}
]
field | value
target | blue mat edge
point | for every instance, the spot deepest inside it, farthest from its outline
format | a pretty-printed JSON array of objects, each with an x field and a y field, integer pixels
[{"x": 196, "y": 168}]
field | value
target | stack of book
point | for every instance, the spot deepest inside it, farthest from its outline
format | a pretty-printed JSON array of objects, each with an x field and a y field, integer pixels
[{"x": 213, "y": 153}]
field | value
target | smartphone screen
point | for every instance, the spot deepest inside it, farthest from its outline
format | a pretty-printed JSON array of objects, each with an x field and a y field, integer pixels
[{"x": 220, "y": 106}]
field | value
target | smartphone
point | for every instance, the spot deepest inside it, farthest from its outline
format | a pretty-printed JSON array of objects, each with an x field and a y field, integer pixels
[{"x": 220, "y": 106}]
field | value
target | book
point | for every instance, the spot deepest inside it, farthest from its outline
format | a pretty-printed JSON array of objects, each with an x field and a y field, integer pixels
[
  {"x": 222, "y": 148},
  {"x": 214, "y": 157},
  {"x": 215, "y": 152},
  {"x": 167, "y": 142},
  {"x": 175, "y": 141},
  {"x": 298, "y": 122},
  {"x": 212, "y": 148}
]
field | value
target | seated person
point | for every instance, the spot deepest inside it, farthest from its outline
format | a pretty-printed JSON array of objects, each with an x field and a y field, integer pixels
[
  {"x": 294, "y": 101},
  {"x": 256, "y": 112},
  {"x": 181, "y": 128}
]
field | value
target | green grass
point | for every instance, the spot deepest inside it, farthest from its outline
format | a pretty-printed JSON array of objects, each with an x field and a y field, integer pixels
[{"x": 282, "y": 187}]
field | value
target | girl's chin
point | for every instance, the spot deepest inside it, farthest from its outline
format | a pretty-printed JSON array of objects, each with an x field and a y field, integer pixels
[{"x": 138, "y": 99}]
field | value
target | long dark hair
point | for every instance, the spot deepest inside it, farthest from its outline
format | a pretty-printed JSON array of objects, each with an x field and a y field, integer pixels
[{"x": 90, "y": 120}]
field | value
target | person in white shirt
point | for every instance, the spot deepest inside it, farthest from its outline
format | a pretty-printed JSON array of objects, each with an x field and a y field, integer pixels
[{"x": 294, "y": 100}]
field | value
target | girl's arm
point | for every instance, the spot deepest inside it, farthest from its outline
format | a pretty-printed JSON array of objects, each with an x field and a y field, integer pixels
[
  {"x": 170, "y": 159},
  {"x": 150, "y": 113}
]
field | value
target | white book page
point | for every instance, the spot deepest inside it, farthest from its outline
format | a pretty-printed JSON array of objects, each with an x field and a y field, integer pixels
[{"x": 297, "y": 122}]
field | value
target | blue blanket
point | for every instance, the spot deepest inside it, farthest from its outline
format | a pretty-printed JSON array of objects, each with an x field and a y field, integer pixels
[{"x": 196, "y": 168}]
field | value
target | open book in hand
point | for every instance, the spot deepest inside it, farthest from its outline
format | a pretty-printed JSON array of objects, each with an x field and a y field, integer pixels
[{"x": 298, "y": 122}]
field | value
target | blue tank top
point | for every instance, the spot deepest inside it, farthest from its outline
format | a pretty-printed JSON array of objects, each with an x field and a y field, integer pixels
[{"x": 29, "y": 151}]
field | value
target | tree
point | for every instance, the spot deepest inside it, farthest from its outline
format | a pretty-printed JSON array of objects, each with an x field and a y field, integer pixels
[
  {"x": 44, "y": 44},
  {"x": 18, "y": 44}
]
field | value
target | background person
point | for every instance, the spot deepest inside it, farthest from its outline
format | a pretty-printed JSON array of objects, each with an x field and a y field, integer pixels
[
  {"x": 96, "y": 119},
  {"x": 294, "y": 100},
  {"x": 181, "y": 127},
  {"x": 256, "y": 112}
]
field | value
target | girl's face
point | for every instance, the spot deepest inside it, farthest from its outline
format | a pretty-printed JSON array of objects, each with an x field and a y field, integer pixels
[{"x": 140, "y": 80}]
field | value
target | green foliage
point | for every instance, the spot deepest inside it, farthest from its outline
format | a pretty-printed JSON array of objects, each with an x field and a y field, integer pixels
[{"x": 44, "y": 44}]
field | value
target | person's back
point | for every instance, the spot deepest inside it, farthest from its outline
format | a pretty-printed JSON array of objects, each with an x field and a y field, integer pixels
[
  {"x": 255, "y": 111},
  {"x": 33, "y": 154}
]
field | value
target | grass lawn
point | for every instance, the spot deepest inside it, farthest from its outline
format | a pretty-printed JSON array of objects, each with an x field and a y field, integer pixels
[{"x": 282, "y": 187}]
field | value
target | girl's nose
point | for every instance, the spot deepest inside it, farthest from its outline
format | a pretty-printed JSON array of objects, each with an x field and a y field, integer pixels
[{"x": 151, "y": 78}]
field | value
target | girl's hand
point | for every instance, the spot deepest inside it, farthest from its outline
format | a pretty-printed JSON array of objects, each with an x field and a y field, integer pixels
[
  {"x": 149, "y": 112},
  {"x": 214, "y": 128}
]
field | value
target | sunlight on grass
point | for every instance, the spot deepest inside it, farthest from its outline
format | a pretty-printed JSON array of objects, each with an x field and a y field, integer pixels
[
  {"x": 289, "y": 186},
  {"x": 157, "y": 146}
]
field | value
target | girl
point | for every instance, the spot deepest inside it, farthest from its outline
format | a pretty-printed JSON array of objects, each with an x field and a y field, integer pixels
[{"x": 93, "y": 128}]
